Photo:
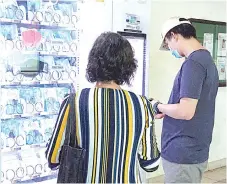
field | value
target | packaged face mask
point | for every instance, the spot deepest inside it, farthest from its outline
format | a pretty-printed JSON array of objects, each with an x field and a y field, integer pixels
[
  {"x": 34, "y": 5},
  {"x": 34, "y": 137},
  {"x": 9, "y": 32},
  {"x": 61, "y": 61},
  {"x": 23, "y": 9},
  {"x": 72, "y": 61},
  {"x": 10, "y": 12},
  {"x": 48, "y": 128},
  {"x": 33, "y": 132},
  {"x": 3, "y": 140},
  {"x": 33, "y": 98},
  {"x": 62, "y": 35},
  {"x": 61, "y": 92},
  {"x": 12, "y": 103},
  {"x": 14, "y": 107},
  {"x": 52, "y": 105},
  {"x": 47, "y": 34},
  {"x": 66, "y": 9},
  {"x": 11, "y": 131},
  {"x": 2, "y": 10}
]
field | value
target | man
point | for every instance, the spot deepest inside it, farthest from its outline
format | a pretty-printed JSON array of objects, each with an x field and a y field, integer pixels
[{"x": 189, "y": 114}]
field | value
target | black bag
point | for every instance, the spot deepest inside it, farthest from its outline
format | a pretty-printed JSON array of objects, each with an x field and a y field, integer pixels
[{"x": 72, "y": 158}]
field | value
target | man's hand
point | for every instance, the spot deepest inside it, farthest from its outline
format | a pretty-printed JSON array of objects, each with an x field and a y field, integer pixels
[
  {"x": 155, "y": 104},
  {"x": 184, "y": 110},
  {"x": 159, "y": 116}
]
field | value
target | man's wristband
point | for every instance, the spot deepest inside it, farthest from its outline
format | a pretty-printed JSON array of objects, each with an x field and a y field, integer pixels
[{"x": 155, "y": 107}]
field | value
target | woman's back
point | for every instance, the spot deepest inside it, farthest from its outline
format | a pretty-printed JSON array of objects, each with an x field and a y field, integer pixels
[{"x": 114, "y": 126}]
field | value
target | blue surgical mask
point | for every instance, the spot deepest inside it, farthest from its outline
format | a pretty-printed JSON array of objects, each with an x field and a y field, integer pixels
[{"x": 176, "y": 53}]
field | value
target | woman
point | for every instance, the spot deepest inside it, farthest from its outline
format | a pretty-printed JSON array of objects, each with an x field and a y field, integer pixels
[{"x": 115, "y": 126}]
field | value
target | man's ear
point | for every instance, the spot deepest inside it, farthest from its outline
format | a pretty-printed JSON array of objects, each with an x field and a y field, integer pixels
[{"x": 174, "y": 36}]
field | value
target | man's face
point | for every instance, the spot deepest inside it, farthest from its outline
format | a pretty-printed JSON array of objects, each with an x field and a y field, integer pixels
[{"x": 172, "y": 43}]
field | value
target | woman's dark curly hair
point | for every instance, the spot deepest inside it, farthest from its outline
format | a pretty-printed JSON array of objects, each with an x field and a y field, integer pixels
[{"x": 111, "y": 59}]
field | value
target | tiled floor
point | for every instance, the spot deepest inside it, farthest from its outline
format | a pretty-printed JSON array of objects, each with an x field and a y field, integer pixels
[{"x": 215, "y": 176}]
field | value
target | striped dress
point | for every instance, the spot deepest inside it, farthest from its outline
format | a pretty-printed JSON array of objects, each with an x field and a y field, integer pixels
[{"x": 116, "y": 129}]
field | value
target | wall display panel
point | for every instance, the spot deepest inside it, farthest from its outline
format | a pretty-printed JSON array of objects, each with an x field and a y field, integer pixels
[{"x": 138, "y": 42}]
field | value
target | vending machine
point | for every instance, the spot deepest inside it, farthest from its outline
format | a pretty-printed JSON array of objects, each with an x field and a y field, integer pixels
[
  {"x": 39, "y": 43},
  {"x": 44, "y": 46}
]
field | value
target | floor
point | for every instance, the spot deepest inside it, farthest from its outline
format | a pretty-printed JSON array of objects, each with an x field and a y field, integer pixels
[{"x": 214, "y": 176}]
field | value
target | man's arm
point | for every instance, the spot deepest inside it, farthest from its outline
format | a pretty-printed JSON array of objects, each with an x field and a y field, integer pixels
[
  {"x": 184, "y": 110},
  {"x": 191, "y": 83}
]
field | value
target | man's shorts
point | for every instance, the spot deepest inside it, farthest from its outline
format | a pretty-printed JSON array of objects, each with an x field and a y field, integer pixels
[{"x": 183, "y": 173}]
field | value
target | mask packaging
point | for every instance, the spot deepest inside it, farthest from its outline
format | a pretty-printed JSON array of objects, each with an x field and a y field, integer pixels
[
  {"x": 11, "y": 101},
  {"x": 33, "y": 134},
  {"x": 3, "y": 140},
  {"x": 33, "y": 98},
  {"x": 62, "y": 35},
  {"x": 23, "y": 9},
  {"x": 2, "y": 10},
  {"x": 22, "y": 133},
  {"x": 51, "y": 103},
  {"x": 66, "y": 11},
  {"x": 48, "y": 128},
  {"x": 61, "y": 61},
  {"x": 61, "y": 92},
  {"x": 60, "y": 39},
  {"x": 33, "y": 6},
  {"x": 10, "y": 129},
  {"x": 9, "y": 32},
  {"x": 47, "y": 34}
]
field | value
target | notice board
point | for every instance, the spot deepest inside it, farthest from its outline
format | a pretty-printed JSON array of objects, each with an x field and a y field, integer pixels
[{"x": 212, "y": 35}]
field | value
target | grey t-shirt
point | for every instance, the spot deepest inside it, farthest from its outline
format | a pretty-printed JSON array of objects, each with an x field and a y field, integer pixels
[{"x": 188, "y": 142}]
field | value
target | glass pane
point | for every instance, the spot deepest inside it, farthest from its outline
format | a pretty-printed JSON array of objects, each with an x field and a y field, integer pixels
[{"x": 39, "y": 42}]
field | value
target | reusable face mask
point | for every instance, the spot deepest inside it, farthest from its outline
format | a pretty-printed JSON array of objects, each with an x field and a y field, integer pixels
[{"x": 31, "y": 37}]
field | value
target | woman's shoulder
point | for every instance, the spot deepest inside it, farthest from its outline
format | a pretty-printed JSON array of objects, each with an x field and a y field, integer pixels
[
  {"x": 87, "y": 91},
  {"x": 137, "y": 95}
]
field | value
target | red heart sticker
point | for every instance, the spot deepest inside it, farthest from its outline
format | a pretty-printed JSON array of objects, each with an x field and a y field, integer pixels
[{"x": 31, "y": 37}]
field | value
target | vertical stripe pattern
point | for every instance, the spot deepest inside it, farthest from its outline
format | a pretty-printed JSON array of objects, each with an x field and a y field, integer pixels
[{"x": 117, "y": 130}]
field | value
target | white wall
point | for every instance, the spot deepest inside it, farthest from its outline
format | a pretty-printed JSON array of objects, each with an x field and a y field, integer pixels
[
  {"x": 142, "y": 9},
  {"x": 96, "y": 18},
  {"x": 163, "y": 66}
]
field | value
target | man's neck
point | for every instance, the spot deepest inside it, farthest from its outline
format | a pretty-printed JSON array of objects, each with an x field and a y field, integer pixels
[
  {"x": 192, "y": 45},
  {"x": 109, "y": 84}
]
